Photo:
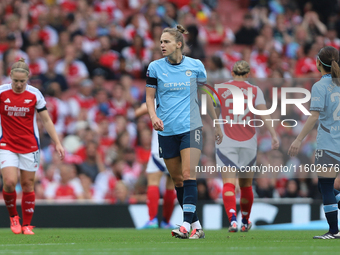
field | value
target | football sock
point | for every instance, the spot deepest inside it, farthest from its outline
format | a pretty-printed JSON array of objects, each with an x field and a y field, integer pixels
[
  {"x": 27, "y": 206},
  {"x": 247, "y": 199},
  {"x": 179, "y": 193},
  {"x": 229, "y": 201},
  {"x": 168, "y": 204},
  {"x": 189, "y": 200},
  {"x": 196, "y": 225},
  {"x": 330, "y": 205},
  {"x": 10, "y": 201},
  {"x": 152, "y": 201}
]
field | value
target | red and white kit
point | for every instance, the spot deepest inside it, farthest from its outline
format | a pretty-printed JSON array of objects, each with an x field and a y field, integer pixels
[
  {"x": 19, "y": 132},
  {"x": 238, "y": 147}
]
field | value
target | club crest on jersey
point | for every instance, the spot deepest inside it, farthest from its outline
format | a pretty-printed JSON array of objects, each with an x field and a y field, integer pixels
[
  {"x": 188, "y": 73},
  {"x": 7, "y": 100},
  {"x": 27, "y": 101}
]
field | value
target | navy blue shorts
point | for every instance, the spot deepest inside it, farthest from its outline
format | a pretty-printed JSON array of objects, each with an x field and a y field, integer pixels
[
  {"x": 327, "y": 158},
  {"x": 171, "y": 146}
]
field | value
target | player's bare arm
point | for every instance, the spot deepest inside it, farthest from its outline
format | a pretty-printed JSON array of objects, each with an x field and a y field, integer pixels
[
  {"x": 310, "y": 123},
  {"x": 213, "y": 115},
  {"x": 48, "y": 124},
  {"x": 157, "y": 123},
  {"x": 268, "y": 125}
]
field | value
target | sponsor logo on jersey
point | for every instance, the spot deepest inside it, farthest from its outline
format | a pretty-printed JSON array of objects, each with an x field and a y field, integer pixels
[
  {"x": 27, "y": 101},
  {"x": 166, "y": 74},
  {"x": 16, "y": 111},
  {"x": 7, "y": 100},
  {"x": 188, "y": 73},
  {"x": 2, "y": 144},
  {"x": 176, "y": 84}
]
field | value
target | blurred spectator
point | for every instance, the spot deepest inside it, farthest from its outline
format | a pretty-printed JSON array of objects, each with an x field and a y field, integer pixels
[
  {"x": 194, "y": 47},
  {"x": 56, "y": 108},
  {"x": 313, "y": 25},
  {"x": 292, "y": 189},
  {"x": 117, "y": 40},
  {"x": 202, "y": 190},
  {"x": 132, "y": 93},
  {"x": 216, "y": 33},
  {"x": 200, "y": 11},
  {"x": 132, "y": 168},
  {"x": 137, "y": 57},
  {"x": 73, "y": 70},
  {"x": 264, "y": 188},
  {"x": 170, "y": 14},
  {"x": 259, "y": 57},
  {"x": 93, "y": 163},
  {"x": 332, "y": 38},
  {"x": 121, "y": 194},
  {"x": 229, "y": 56},
  {"x": 119, "y": 104},
  {"x": 87, "y": 185},
  {"x": 247, "y": 33},
  {"x": 144, "y": 147},
  {"x": 109, "y": 58},
  {"x": 65, "y": 189},
  {"x": 306, "y": 64},
  {"x": 47, "y": 34},
  {"x": 90, "y": 40},
  {"x": 216, "y": 72},
  {"x": 51, "y": 76},
  {"x": 110, "y": 9},
  {"x": 83, "y": 99},
  {"x": 36, "y": 63}
]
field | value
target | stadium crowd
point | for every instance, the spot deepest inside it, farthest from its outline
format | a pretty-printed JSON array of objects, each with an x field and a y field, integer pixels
[{"x": 89, "y": 59}]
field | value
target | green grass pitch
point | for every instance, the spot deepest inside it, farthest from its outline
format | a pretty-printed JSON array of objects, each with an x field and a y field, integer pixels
[{"x": 136, "y": 242}]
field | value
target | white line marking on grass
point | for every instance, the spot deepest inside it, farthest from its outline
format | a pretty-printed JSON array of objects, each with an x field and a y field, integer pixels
[{"x": 34, "y": 244}]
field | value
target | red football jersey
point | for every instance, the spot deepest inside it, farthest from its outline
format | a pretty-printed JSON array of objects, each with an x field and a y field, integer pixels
[
  {"x": 18, "y": 129},
  {"x": 240, "y": 130}
]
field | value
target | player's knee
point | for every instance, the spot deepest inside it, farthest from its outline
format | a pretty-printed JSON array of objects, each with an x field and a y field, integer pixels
[
  {"x": 9, "y": 185},
  {"x": 27, "y": 186},
  {"x": 178, "y": 181},
  {"x": 229, "y": 194}
]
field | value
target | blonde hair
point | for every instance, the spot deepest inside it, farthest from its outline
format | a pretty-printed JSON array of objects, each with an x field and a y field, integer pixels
[
  {"x": 241, "y": 68},
  {"x": 20, "y": 66},
  {"x": 177, "y": 33}
]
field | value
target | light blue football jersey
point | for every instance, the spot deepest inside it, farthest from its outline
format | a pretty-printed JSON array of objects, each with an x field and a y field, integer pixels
[
  {"x": 176, "y": 93},
  {"x": 326, "y": 100}
]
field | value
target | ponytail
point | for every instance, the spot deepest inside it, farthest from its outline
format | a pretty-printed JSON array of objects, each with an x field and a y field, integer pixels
[{"x": 335, "y": 72}]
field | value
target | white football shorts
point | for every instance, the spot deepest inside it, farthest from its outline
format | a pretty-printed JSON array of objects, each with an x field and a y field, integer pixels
[
  {"x": 236, "y": 156},
  {"x": 156, "y": 164},
  {"x": 28, "y": 162}
]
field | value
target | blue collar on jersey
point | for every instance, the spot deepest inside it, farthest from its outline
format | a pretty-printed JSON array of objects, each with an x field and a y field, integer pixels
[
  {"x": 328, "y": 75},
  {"x": 167, "y": 60}
]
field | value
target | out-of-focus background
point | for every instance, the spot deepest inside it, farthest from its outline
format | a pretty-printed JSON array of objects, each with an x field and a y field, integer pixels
[{"x": 89, "y": 59}]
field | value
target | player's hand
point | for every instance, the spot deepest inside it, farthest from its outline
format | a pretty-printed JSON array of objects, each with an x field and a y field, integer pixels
[
  {"x": 157, "y": 123},
  {"x": 275, "y": 143},
  {"x": 294, "y": 148},
  {"x": 61, "y": 152},
  {"x": 218, "y": 134}
]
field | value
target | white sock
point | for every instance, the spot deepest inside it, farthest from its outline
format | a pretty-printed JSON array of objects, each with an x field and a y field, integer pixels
[
  {"x": 196, "y": 225},
  {"x": 186, "y": 225}
]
